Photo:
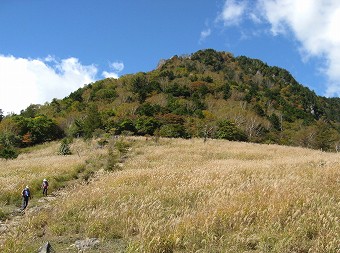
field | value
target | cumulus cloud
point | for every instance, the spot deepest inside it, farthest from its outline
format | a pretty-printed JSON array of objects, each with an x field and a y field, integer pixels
[
  {"x": 313, "y": 23},
  {"x": 232, "y": 12},
  {"x": 116, "y": 68},
  {"x": 36, "y": 81}
]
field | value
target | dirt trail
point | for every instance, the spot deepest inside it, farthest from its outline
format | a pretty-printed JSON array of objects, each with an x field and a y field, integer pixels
[{"x": 16, "y": 216}]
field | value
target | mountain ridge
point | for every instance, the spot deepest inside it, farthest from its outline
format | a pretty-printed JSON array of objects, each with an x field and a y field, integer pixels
[{"x": 206, "y": 94}]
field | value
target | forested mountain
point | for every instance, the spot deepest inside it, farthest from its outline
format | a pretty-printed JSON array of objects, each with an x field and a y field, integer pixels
[{"x": 206, "y": 94}]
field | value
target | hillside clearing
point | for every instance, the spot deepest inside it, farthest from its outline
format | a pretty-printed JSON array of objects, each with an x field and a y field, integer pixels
[{"x": 189, "y": 196}]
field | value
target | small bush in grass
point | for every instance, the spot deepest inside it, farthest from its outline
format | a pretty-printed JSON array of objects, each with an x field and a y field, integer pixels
[
  {"x": 8, "y": 153},
  {"x": 122, "y": 146},
  {"x": 116, "y": 153},
  {"x": 112, "y": 160},
  {"x": 64, "y": 148}
]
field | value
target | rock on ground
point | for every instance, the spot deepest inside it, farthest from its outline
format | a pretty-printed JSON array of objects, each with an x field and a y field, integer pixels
[
  {"x": 87, "y": 243},
  {"x": 46, "y": 248}
]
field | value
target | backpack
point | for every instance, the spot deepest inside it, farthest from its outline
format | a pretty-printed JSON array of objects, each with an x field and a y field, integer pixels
[
  {"x": 45, "y": 184},
  {"x": 26, "y": 193}
]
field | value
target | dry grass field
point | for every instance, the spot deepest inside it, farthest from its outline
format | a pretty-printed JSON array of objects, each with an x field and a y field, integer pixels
[
  {"x": 42, "y": 162},
  {"x": 179, "y": 195}
]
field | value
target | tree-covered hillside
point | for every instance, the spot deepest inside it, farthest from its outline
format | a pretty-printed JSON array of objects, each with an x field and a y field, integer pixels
[{"x": 206, "y": 94}]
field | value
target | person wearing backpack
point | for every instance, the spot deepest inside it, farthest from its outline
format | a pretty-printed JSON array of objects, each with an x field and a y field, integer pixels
[
  {"x": 26, "y": 194},
  {"x": 44, "y": 186}
]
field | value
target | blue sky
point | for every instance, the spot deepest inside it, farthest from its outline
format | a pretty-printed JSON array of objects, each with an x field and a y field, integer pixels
[{"x": 51, "y": 48}]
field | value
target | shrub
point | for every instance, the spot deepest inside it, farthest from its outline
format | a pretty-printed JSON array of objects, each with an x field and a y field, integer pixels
[
  {"x": 112, "y": 160},
  {"x": 8, "y": 153},
  {"x": 122, "y": 146},
  {"x": 64, "y": 148}
]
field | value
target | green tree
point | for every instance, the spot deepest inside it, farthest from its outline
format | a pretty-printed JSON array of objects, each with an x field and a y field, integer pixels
[
  {"x": 8, "y": 138},
  {"x": 43, "y": 129},
  {"x": 173, "y": 130},
  {"x": 31, "y": 111},
  {"x": 209, "y": 57},
  {"x": 92, "y": 121},
  {"x": 40, "y": 128},
  {"x": 226, "y": 91},
  {"x": 8, "y": 141},
  {"x": 325, "y": 136},
  {"x": 77, "y": 95},
  {"x": 107, "y": 94},
  {"x": 76, "y": 129},
  {"x": 275, "y": 122},
  {"x": 228, "y": 130},
  {"x": 146, "y": 125},
  {"x": 140, "y": 87},
  {"x": 148, "y": 109},
  {"x": 168, "y": 73},
  {"x": 177, "y": 90},
  {"x": 125, "y": 125}
]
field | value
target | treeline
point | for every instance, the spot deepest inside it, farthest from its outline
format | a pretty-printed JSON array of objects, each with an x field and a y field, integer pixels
[
  {"x": 208, "y": 94},
  {"x": 17, "y": 131}
]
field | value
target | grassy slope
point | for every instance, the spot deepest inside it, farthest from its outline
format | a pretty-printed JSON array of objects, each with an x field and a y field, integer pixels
[
  {"x": 43, "y": 161},
  {"x": 186, "y": 196}
]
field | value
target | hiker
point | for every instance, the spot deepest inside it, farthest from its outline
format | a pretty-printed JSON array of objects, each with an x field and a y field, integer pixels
[
  {"x": 26, "y": 196},
  {"x": 44, "y": 186}
]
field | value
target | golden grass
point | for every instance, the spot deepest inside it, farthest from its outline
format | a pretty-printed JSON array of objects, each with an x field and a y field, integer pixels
[
  {"x": 189, "y": 196},
  {"x": 31, "y": 168}
]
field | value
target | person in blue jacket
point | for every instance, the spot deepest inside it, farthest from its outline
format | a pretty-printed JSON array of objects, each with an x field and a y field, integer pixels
[{"x": 26, "y": 195}]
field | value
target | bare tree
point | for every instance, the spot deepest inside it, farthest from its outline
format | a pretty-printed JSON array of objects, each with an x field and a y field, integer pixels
[{"x": 253, "y": 127}]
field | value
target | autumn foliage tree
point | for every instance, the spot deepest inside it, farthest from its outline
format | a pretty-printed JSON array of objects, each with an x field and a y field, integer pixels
[{"x": 36, "y": 130}]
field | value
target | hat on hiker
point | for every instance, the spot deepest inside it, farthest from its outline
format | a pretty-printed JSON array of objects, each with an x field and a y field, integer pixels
[
  {"x": 27, "y": 186},
  {"x": 44, "y": 179}
]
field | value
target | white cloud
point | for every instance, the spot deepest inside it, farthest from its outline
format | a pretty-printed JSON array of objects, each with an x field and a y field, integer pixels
[
  {"x": 107, "y": 74},
  {"x": 204, "y": 34},
  {"x": 253, "y": 17},
  {"x": 232, "y": 12},
  {"x": 313, "y": 23},
  {"x": 36, "y": 81},
  {"x": 116, "y": 67}
]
